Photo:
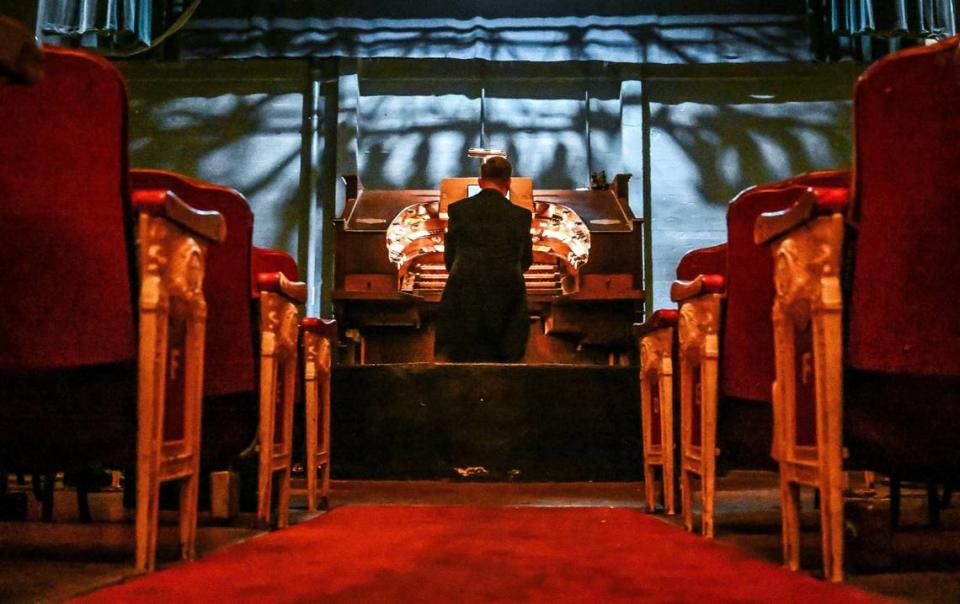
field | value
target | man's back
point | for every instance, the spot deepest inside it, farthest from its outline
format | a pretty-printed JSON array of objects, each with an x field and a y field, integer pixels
[
  {"x": 488, "y": 234},
  {"x": 483, "y": 314}
]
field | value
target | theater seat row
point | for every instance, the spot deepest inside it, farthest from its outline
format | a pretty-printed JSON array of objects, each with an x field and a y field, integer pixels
[
  {"x": 829, "y": 331},
  {"x": 139, "y": 327}
]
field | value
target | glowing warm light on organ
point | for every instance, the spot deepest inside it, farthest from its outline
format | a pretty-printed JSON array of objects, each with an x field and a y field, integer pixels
[{"x": 415, "y": 243}]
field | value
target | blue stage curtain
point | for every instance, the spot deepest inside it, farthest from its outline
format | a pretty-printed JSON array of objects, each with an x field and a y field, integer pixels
[
  {"x": 895, "y": 18},
  {"x": 92, "y": 21},
  {"x": 620, "y": 31}
]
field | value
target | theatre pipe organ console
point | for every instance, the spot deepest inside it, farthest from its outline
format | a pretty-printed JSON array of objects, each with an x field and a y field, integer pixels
[{"x": 584, "y": 290}]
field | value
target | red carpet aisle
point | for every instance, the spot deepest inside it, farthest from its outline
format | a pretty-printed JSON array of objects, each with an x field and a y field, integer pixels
[{"x": 367, "y": 554}]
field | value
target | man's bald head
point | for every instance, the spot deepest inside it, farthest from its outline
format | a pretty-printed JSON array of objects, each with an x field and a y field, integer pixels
[{"x": 497, "y": 170}]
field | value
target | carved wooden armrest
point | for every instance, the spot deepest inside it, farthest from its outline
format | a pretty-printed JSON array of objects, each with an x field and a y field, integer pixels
[
  {"x": 276, "y": 282},
  {"x": 702, "y": 284},
  {"x": 772, "y": 225},
  {"x": 158, "y": 202},
  {"x": 665, "y": 317},
  {"x": 325, "y": 328}
]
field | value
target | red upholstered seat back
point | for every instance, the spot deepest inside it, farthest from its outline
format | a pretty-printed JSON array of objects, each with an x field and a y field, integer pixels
[
  {"x": 747, "y": 367},
  {"x": 266, "y": 260},
  {"x": 904, "y": 315},
  {"x": 65, "y": 223},
  {"x": 230, "y": 361},
  {"x": 703, "y": 261}
]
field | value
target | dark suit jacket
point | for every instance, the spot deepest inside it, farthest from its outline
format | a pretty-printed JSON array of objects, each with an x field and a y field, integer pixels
[{"x": 483, "y": 313}]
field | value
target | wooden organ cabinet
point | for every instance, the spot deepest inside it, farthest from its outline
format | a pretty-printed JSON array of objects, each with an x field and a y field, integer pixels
[{"x": 584, "y": 290}]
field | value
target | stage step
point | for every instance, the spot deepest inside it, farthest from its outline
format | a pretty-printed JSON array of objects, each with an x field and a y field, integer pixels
[{"x": 429, "y": 421}]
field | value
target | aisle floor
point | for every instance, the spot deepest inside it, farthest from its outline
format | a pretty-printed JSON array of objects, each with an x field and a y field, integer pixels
[{"x": 50, "y": 562}]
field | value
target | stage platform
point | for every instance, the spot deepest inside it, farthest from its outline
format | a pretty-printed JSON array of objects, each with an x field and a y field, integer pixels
[{"x": 428, "y": 421}]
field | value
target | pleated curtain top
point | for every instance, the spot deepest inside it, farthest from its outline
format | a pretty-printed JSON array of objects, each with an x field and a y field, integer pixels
[
  {"x": 121, "y": 20},
  {"x": 894, "y": 18}
]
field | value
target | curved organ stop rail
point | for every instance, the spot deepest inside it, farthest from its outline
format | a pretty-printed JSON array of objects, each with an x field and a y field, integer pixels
[{"x": 416, "y": 236}]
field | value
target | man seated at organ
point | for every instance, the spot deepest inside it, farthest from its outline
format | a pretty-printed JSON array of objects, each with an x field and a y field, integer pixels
[
  {"x": 584, "y": 287},
  {"x": 483, "y": 312}
]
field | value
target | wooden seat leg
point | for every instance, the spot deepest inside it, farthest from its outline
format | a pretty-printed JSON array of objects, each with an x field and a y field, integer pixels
[
  {"x": 649, "y": 489},
  {"x": 271, "y": 382},
  {"x": 790, "y": 520},
  {"x": 312, "y": 418},
  {"x": 327, "y": 364},
  {"x": 325, "y": 486},
  {"x": 289, "y": 376},
  {"x": 311, "y": 402},
  {"x": 283, "y": 499},
  {"x": 668, "y": 480},
  {"x": 686, "y": 430},
  {"x": 649, "y": 387},
  {"x": 667, "y": 476},
  {"x": 268, "y": 396},
  {"x": 189, "y": 489},
  {"x": 686, "y": 494},
  {"x": 150, "y": 408},
  {"x": 193, "y": 415},
  {"x": 311, "y": 413},
  {"x": 708, "y": 410},
  {"x": 708, "y": 484},
  {"x": 148, "y": 511},
  {"x": 317, "y": 364},
  {"x": 648, "y": 383},
  {"x": 831, "y": 525},
  {"x": 264, "y": 499}
]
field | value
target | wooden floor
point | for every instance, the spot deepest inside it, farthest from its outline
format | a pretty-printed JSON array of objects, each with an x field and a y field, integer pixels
[{"x": 43, "y": 562}]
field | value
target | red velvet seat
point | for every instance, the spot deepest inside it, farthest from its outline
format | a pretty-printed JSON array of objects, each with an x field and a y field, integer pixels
[
  {"x": 710, "y": 260},
  {"x": 317, "y": 339},
  {"x": 745, "y": 421},
  {"x": 231, "y": 410},
  {"x": 904, "y": 323},
  {"x": 868, "y": 342},
  {"x": 101, "y": 340},
  {"x": 657, "y": 344},
  {"x": 274, "y": 273},
  {"x": 726, "y": 343},
  {"x": 267, "y": 260},
  {"x": 241, "y": 370},
  {"x": 746, "y": 360}
]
